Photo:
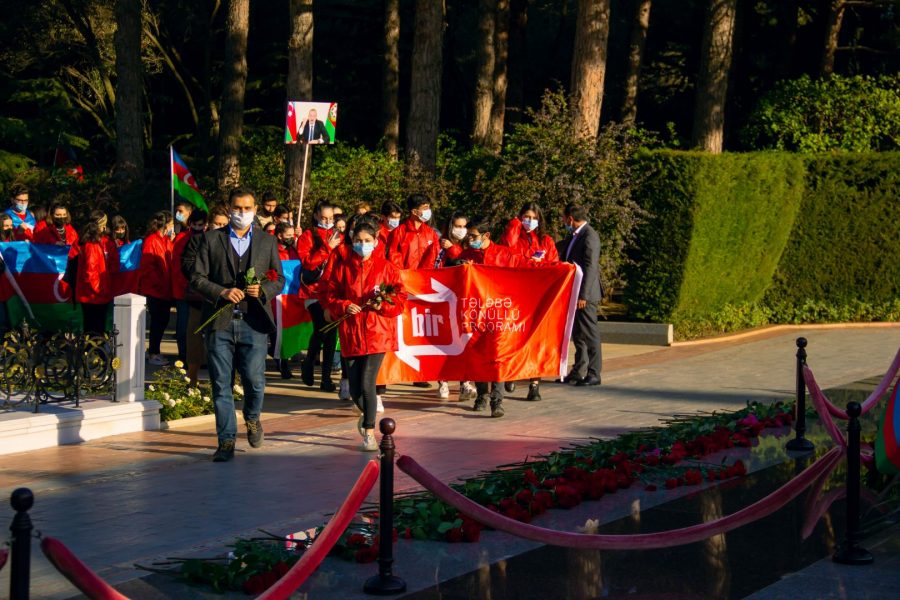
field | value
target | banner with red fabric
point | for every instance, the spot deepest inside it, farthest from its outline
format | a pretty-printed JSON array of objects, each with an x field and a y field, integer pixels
[{"x": 482, "y": 323}]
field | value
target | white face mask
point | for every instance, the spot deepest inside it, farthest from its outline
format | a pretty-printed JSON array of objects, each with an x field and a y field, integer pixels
[
  {"x": 242, "y": 220},
  {"x": 325, "y": 226},
  {"x": 21, "y": 207},
  {"x": 425, "y": 216},
  {"x": 529, "y": 224},
  {"x": 393, "y": 223},
  {"x": 458, "y": 233}
]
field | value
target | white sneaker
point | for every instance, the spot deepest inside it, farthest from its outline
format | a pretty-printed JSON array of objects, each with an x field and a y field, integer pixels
[
  {"x": 380, "y": 406},
  {"x": 158, "y": 360},
  {"x": 467, "y": 391},
  {"x": 443, "y": 390},
  {"x": 369, "y": 444},
  {"x": 344, "y": 391}
]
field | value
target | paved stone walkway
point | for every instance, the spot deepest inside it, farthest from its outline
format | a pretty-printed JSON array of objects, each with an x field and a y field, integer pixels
[{"x": 136, "y": 497}]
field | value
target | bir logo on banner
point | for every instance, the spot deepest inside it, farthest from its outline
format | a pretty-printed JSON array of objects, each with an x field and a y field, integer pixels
[{"x": 432, "y": 329}]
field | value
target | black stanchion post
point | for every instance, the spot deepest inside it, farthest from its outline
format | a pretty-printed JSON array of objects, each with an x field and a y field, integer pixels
[
  {"x": 800, "y": 443},
  {"x": 20, "y": 568},
  {"x": 849, "y": 552},
  {"x": 386, "y": 583}
]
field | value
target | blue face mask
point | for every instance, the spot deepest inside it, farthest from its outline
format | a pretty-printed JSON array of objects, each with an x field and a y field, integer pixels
[
  {"x": 21, "y": 207},
  {"x": 393, "y": 223},
  {"x": 569, "y": 228},
  {"x": 476, "y": 244},
  {"x": 425, "y": 215},
  {"x": 529, "y": 224},
  {"x": 364, "y": 249},
  {"x": 326, "y": 226},
  {"x": 180, "y": 217}
]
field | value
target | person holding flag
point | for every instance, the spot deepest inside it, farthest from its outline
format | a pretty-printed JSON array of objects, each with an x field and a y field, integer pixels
[{"x": 22, "y": 219}]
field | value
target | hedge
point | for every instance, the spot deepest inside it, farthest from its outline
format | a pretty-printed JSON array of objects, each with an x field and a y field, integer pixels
[
  {"x": 740, "y": 240},
  {"x": 846, "y": 245},
  {"x": 718, "y": 225}
]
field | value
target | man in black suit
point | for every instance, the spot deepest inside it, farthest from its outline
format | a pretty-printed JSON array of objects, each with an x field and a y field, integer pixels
[
  {"x": 318, "y": 135},
  {"x": 582, "y": 247},
  {"x": 238, "y": 337}
]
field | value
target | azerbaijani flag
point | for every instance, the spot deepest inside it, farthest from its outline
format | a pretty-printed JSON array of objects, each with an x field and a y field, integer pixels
[
  {"x": 290, "y": 128},
  {"x": 293, "y": 322},
  {"x": 887, "y": 442},
  {"x": 184, "y": 184},
  {"x": 35, "y": 288},
  {"x": 126, "y": 280},
  {"x": 331, "y": 121}
]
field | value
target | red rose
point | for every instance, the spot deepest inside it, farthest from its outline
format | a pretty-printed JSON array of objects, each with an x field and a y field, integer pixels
[
  {"x": 272, "y": 275},
  {"x": 454, "y": 535},
  {"x": 530, "y": 477},
  {"x": 407, "y": 533},
  {"x": 506, "y": 503},
  {"x": 356, "y": 539},
  {"x": 281, "y": 568},
  {"x": 524, "y": 496},
  {"x": 651, "y": 487},
  {"x": 254, "y": 585},
  {"x": 671, "y": 483},
  {"x": 471, "y": 531},
  {"x": 545, "y": 498}
]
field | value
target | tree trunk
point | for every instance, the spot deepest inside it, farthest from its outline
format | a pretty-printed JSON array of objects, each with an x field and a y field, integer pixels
[
  {"x": 390, "y": 82},
  {"x": 425, "y": 84},
  {"x": 636, "y": 52},
  {"x": 515, "y": 95},
  {"x": 788, "y": 22},
  {"x": 129, "y": 93},
  {"x": 501, "y": 54},
  {"x": 712, "y": 85},
  {"x": 484, "y": 73},
  {"x": 231, "y": 121},
  {"x": 209, "y": 110},
  {"x": 589, "y": 65},
  {"x": 299, "y": 87},
  {"x": 834, "y": 18}
]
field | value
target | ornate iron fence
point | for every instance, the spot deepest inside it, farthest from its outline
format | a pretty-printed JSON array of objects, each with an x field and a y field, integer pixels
[{"x": 43, "y": 367}]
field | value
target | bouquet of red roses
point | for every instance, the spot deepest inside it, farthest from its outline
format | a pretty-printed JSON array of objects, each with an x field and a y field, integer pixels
[
  {"x": 384, "y": 294},
  {"x": 250, "y": 278}
]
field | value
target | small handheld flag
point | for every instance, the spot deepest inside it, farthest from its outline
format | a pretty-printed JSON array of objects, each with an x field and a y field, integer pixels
[{"x": 184, "y": 184}]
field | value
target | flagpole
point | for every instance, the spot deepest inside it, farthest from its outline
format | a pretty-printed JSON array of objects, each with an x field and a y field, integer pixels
[
  {"x": 302, "y": 184},
  {"x": 15, "y": 286},
  {"x": 172, "y": 179},
  {"x": 56, "y": 153}
]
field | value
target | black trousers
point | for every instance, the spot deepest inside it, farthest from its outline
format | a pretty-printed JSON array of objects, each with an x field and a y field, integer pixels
[
  {"x": 362, "y": 376},
  {"x": 586, "y": 337},
  {"x": 321, "y": 342},
  {"x": 159, "y": 311},
  {"x": 93, "y": 317},
  {"x": 483, "y": 388}
]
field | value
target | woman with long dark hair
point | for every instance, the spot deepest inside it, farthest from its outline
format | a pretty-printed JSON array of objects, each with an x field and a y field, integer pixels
[
  {"x": 98, "y": 261},
  {"x": 56, "y": 228},
  {"x": 118, "y": 228},
  {"x": 155, "y": 280},
  {"x": 369, "y": 330}
]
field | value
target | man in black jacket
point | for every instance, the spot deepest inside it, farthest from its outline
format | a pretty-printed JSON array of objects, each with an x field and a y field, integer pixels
[
  {"x": 318, "y": 135},
  {"x": 237, "y": 268},
  {"x": 582, "y": 247}
]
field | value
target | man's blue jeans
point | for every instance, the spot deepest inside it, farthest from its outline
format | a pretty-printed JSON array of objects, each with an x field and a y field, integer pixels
[{"x": 244, "y": 348}]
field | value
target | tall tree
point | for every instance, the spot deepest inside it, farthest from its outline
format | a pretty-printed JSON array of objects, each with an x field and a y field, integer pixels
[
  {"x": 484, "y": 73},
  {"x": 231, "y": 122},
  {"x": 788, "y": 16},
  {"x": 129, "y": 92},
  {"x": 834, "y": 17},
  {"x": 498, "y": 92},
  {"x": 518, "y": 22},
  {"x": 390, "y": 80},
  {"x": 712, "y": 85},
  {"x": 589, "y": 65},
  {"x": 425, "y": 84},
  {"x": 639, "y": 27},
  {"x": 299, "y": 86}
]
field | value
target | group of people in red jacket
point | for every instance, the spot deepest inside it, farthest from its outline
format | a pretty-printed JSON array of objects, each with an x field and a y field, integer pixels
[{"x": 93, "y": 255}]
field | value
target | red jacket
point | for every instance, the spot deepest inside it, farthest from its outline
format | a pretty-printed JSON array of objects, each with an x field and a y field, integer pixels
[
  {"x": 287, "y": 252},
  {"x": 97, "y": 263},
  {"x": 155, "y": 278},
  {"x": 47, "y": 234},
  {"x": 495, "y": 256},
  {"x": 451, "y": 253},
  {"x": 411, "y": 248},
  {"x": 313, "y": 255},
  {"x": 179, "y": 281},
  {"x": 353, "y": 281},
  {"x": 527, "y": 243},
  {"x": 383, "y": 234}
]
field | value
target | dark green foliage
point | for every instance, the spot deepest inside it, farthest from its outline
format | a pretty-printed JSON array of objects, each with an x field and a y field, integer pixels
[
  {"x": 855, "y": 114},
  {"x": 718, "y": 228},
  {"x": 845, "y": 247}
]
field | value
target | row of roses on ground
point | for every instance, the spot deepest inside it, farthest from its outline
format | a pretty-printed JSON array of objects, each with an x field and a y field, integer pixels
[{"x": 669, "y": 456}]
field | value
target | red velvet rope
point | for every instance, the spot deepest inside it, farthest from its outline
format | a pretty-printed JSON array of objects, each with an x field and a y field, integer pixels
[
  {"x": 643, "y": 541},
  {"x": 4, "y": 554},
  {"x": 820, "y": 402},
  {"x": 326, "y": 540},
  {"x": 77, "y": 572},
  {"x": 869, "y": 402}
]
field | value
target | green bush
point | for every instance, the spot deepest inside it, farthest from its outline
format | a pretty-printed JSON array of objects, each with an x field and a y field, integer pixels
[
  {"x": 845, "y": 248},
  {"x": 717, "y": 228},
  {"x": 856, "y": 114}
]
